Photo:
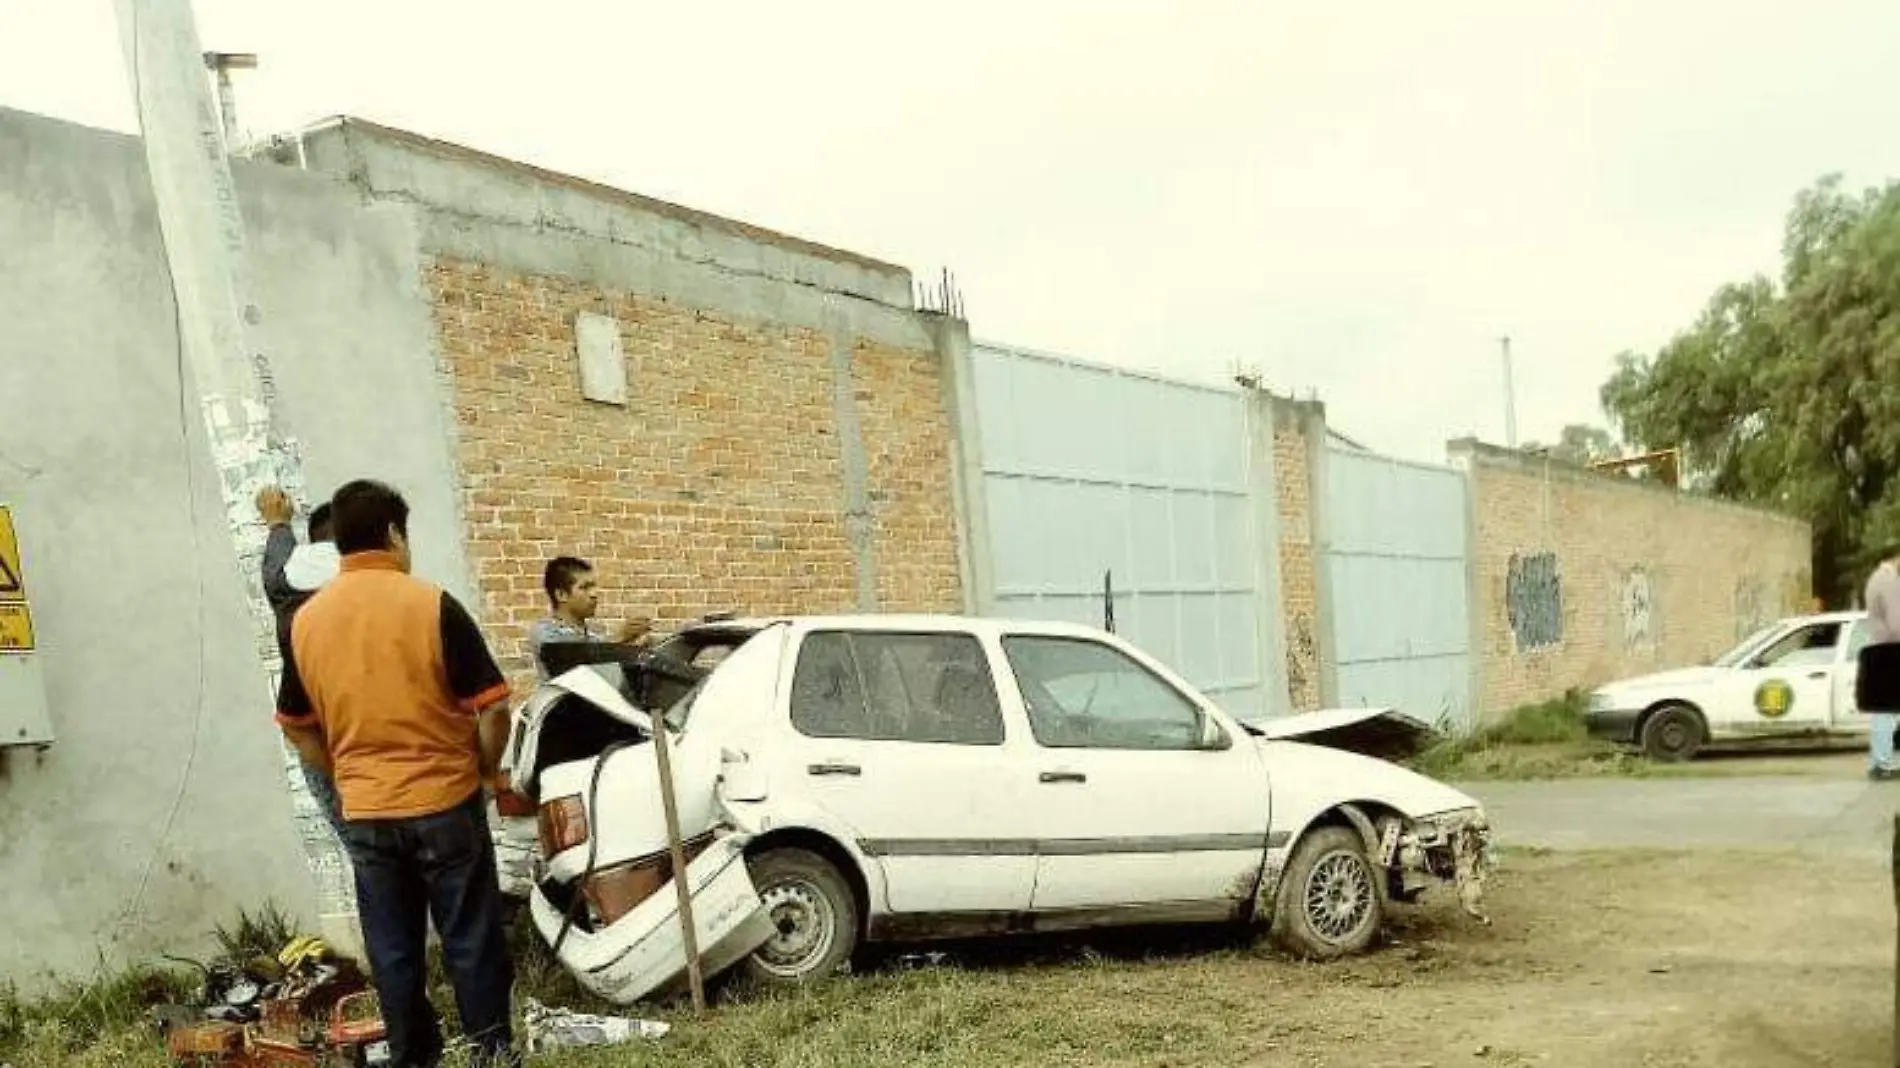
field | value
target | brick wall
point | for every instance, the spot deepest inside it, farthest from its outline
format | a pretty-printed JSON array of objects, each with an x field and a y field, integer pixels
[
  {"x": 1583, "y": 578},
  {"x": 718, "y": 487},
  {"x": 1293, "y": 423}
]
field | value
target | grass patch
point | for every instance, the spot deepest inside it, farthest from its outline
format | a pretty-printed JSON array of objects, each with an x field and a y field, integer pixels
[
  {"x": 99, "y": 1021},
  {"x": 1026, "y": 1002},
  {"x": 1545, "y": 740}
]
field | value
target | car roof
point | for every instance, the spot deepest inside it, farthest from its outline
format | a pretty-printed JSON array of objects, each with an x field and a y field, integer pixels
[
  {"x": 928, "y": 622},
  {"x": 1822, "y": 617}
]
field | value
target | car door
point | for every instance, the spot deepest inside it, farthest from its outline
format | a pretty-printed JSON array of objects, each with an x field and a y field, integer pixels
[
  {"x": 1847, "y": 717},
  {"x": 899, "y": 736},
  {"x": 1142, "y": 795},
  {"x": 1788, "y": 687}
]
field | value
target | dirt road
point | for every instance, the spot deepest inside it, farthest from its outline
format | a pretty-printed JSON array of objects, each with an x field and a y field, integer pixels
[
  {"x": 1824, "y": 805},
  {"x": 1647, "y": 959}
]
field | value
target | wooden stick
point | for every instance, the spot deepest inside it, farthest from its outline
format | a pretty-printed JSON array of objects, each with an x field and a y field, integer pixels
[{"x": 688, "y": 930}]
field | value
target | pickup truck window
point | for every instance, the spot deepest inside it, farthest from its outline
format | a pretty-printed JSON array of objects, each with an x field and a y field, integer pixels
[
  {"x": 888, "y": 687},
  {"x": 1856, "y": 640},
  {"x": 1804, "y": 647}
]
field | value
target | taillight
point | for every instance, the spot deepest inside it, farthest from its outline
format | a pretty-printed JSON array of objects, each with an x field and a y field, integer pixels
[
  {"x": 616, "y": 891},
  {"x": 563, "y": 825},
  {"x": 509, "y": 804}
]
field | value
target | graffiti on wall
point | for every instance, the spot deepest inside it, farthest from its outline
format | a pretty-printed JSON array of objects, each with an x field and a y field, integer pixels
[
  {"x": 1752, "y": 610},
  {"x": 1300, "y": 653},
  {"x": 1534, "y": 598},
  {"x": 1638, "y": 607}
]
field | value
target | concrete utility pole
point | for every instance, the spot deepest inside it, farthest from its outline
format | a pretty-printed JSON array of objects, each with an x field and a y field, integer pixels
[
  {"x": 223, "y": 63},
  {"x": 218, "y": 318},
  {"x": 1510, "y": 397}
]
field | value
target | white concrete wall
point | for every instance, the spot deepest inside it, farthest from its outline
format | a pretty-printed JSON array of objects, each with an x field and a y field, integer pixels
[{"x": 161, "y": 807}]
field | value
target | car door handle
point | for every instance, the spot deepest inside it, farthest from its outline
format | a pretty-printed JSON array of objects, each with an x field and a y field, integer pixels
[
  {"x": 1063, "y": 776},
  {"x": 1817, "y": 674},
  {"x": 834, "y": 768}
]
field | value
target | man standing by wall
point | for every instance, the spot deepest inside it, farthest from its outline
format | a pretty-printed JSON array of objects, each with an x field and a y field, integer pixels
[
  {"x": 574, "y": 595},
  {"x": 388, "y": 684},
  {"x": 1877, "y": 687},
  {"x": 292, "y": 575}
]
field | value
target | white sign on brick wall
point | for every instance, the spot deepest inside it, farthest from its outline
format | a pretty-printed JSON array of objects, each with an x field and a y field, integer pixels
[{"x": 603, "y": 366}]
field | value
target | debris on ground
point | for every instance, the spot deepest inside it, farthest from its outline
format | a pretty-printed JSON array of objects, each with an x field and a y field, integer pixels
[
  {"x": 915, "y": 961},
  {"x": 308, "y": 1006},
  {"x": 558, "y": 1028}
]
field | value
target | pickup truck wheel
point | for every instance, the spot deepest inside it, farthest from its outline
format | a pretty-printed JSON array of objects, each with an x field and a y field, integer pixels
[
  {"x": 1329, "y": 902},
  {"x": 814, "y": 912},
  {"x": 1672, "y": 734}
]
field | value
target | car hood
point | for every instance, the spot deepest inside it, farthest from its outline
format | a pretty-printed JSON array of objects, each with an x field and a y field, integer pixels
[
  {"x": 1695, "y": 676},
  {"x": 1385, "y": 733},
  {"x": 1308, "y": 779}
]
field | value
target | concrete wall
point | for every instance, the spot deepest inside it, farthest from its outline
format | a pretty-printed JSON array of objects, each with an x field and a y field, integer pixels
[
  {"x": 161, "y": 807},
  {"x": 1583, "y": 577},
  {"x": 785, "y": 442}
]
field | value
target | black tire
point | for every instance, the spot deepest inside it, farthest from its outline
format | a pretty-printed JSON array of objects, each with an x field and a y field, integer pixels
[
  {"x": 1673, "y": 733},
  {"x": 1330, "y": 902},
  {"x": 815, "y": 911}
]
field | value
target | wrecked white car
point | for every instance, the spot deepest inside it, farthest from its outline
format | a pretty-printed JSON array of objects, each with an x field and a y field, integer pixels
[{"x": 853, "y": 780}]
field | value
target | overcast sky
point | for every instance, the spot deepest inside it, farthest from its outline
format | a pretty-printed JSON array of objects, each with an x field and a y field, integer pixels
[{"x": 1355, "y": 200}]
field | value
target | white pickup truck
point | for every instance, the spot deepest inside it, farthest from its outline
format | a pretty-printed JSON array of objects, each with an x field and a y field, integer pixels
[
  {"x": 895, "y": 778},
  {"x": 1791, "y": 680}
]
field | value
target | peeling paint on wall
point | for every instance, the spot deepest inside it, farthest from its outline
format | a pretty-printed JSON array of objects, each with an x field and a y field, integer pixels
[
  {"x": 1751, "y": 607},
  {"x": 1638, "y": 609},
  {"x": 1534, "y": 598},
  {"x": 1301, "y": 651}
]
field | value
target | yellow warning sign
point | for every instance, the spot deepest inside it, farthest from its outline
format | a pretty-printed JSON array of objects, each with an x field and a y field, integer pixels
[
  {"x": 16, "y": 628},
  {"x": 12, "y": 575}
]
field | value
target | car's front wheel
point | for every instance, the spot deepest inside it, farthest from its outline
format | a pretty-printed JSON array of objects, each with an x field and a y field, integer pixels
[
  {"x": 814, "y": 917},
  {"x": 1673, "y": 733},
  {"x": 1330, "y": 905}
]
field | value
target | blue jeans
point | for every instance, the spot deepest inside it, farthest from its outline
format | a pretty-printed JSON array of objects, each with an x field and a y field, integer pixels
[
  {"x": 442, "y": 866},
  {"x": 1880, "y": 740}
]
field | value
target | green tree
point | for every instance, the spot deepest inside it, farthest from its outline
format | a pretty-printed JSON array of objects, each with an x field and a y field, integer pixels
[
  {"x": 1579, "y": 444},
  {"x": 1787, "y": 394}
]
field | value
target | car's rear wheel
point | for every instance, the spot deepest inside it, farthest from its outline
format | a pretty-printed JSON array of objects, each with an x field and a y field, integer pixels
[
  {"x": 1329, "y": 902},
  {"x": 814, "y": 916},
  {"x": 1672, "y": 734}
]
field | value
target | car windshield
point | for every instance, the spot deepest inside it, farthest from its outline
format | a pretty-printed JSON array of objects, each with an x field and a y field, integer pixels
[{"x": 1735, "y": 656}]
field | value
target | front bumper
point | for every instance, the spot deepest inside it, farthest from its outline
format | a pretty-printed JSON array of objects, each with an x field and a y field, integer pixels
[
  {"x": 643, "y": 953},
  {"x": 1454, "y": 847},
  {"x": 1613, "y": 724}
]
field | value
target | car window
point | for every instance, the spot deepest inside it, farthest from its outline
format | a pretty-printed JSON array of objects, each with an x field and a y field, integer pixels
[
  {"x": 700, "y": 652},
  {"x": 1803, "y": 647},
  {"x": 1083, "y": 694},
  {"x": 1856, "y": 639},
  {"x": 1734, "y": 657},
  {"x": 890, "y": 687}
]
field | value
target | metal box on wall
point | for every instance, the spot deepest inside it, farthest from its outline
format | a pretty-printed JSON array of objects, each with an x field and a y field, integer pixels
[{"x": 23, "y": 714}]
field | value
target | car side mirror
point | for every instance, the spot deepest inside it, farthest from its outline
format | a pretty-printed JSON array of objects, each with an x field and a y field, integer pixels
[{"x": 1214, "y": 737}]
